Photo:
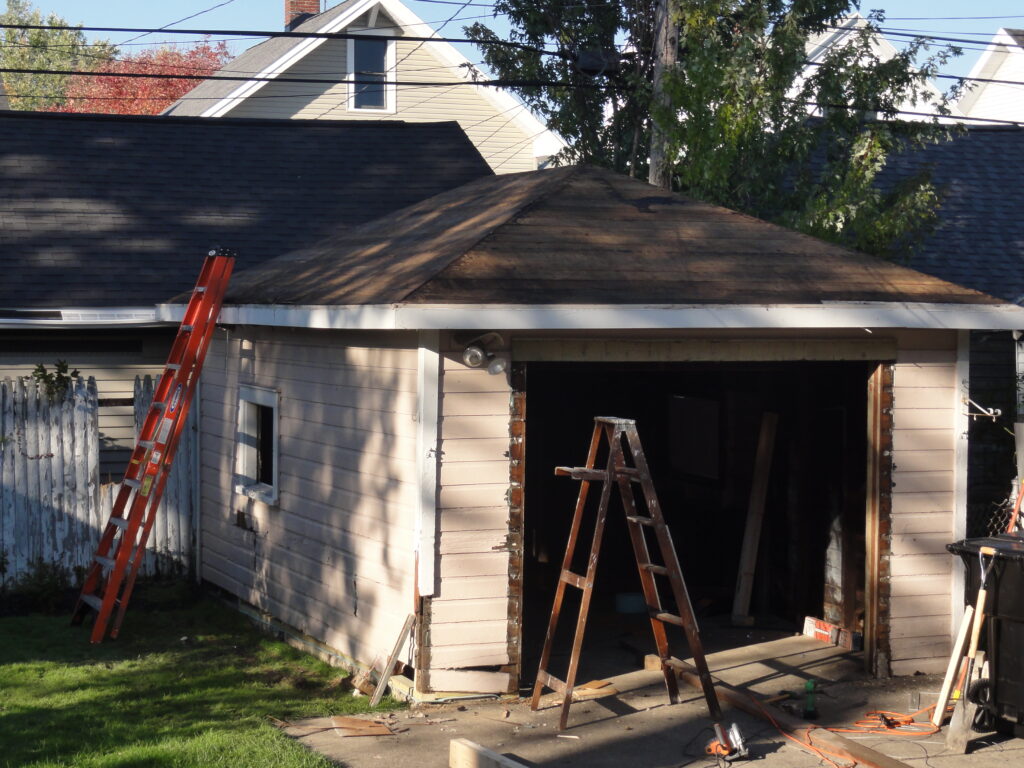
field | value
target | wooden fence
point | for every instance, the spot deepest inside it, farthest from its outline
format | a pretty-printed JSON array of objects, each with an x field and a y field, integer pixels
[{"x": 52, "y": 506}]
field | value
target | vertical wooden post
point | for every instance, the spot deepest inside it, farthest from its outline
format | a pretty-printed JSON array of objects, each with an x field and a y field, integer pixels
[{"x": 878, "y": 507}]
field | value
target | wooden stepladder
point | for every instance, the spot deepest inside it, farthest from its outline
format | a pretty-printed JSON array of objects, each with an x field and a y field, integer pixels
[
  {"x": 625, "y": 475},
  {"x": 111, "y": 577}
]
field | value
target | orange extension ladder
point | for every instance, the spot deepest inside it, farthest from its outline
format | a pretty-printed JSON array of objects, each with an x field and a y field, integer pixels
[{"x": 109, "y": 581}]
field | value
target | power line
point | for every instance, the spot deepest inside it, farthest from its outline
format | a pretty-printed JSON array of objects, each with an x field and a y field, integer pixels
[
  {"x": 296, "y": 35},
  {"x": 171, "y": 24},
  {"x": 494, "y": 83}
]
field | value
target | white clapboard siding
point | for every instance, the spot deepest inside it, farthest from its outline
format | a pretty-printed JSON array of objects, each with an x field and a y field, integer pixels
[
  {"x": 52, "y": 504},
  {"x": 920, "y": 569},
  {"x": 335, "y": 556},
  {"x": 469, "y": 614},
  {"x": 496, "y": 134}
]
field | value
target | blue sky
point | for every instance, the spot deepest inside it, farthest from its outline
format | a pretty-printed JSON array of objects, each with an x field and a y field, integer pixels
[{"x": 925, "y": 16}]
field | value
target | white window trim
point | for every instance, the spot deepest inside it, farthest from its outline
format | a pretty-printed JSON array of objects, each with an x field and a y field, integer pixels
[
  {"x": 390, "y": 95},
  {"x": 245, "y": 455}
]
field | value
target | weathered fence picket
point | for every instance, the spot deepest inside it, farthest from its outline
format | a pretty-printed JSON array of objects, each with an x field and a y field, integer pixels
[{"x": 52, "y": 505}]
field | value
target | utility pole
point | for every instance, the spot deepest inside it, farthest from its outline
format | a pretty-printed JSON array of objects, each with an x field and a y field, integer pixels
[{"x": 666, "y": 54}]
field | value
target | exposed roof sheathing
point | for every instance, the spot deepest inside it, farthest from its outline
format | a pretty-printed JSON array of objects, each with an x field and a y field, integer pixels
[
  {"x": 579, "y": 236},
  {"x": 100, "y": 211}
]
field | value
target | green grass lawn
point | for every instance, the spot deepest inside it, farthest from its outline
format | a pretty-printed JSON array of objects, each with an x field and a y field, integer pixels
[{"x": 186, "y": 684}]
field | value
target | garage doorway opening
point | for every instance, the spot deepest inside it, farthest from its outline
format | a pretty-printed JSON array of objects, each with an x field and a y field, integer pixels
[{"x": 700, "y": 425}]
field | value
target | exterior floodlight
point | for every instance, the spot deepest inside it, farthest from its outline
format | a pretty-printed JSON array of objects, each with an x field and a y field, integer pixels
[
  {"x": 498, "y": 364},
  {"x": 474, "y": 356}
]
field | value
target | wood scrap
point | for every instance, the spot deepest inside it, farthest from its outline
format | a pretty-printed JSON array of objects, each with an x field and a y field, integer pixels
[
  {"x": 389, "y": 668},
  {"x": 463, "y": 753},
  {"x": 954, "y": 664},
  {"x": 354, "y": 726}
]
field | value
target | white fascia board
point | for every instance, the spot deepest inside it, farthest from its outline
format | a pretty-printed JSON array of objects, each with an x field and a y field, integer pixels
[
  {"x": 90, "y": 318},
  {"x": 565, "y": 317},
  {"x": 302, "y": 48}
]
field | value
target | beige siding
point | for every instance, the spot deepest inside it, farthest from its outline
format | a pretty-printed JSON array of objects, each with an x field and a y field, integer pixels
[
  {"x": 469, "y": 614},
  {"x": 114, "y": 360},
  {"x": 497, "y": 136},
  {"x": 920, "y": 569},
  {"x": 335, "y": 556}
]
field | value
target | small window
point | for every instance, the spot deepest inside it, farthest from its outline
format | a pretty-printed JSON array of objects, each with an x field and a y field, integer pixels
[
  {"x": 256, "y": 461},
  {"x": 369, "y": 65}
]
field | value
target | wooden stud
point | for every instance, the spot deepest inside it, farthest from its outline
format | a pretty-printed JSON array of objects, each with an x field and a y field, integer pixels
[{"x": 463, "y": 753}]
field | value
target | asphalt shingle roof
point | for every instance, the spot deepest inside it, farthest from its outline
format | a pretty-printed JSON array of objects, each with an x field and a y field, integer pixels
[
  {"x": 979, "y": 240},
  {"x": 101, "y": 211},
  {"x": 579, "y": 235}
]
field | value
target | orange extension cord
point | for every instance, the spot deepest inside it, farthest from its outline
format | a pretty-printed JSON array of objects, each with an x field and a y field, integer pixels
[{"x": 879, "y": 722}]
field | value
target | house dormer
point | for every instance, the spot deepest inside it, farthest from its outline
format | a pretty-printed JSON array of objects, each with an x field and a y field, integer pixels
[{"x": 378, "y": 77}]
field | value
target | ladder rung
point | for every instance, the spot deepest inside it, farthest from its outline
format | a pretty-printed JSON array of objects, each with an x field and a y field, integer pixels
[
  {"x": 574, "y": 578},
  {"x": 106, "y": 562},
  {"x": 641, "y": 520},
  {"x": 669, "y": 618},
  {"x": 550, "y": 681},
  {"x": 581, "y": 473},
  {"x": 186, "y": 327},
  {"x": 631, "y": 472},
  {"x": 93, "y": 602},
  {"x": 119, "y": 522},
  {"x": 173, "y": 366},
  {"x": 131, "y": 483},
  {"x": 200, "y": 289},
  {"x": 158, "y": 405},
  {"x": 147, "y": 444},
  {"x": 661, "y": 570}
]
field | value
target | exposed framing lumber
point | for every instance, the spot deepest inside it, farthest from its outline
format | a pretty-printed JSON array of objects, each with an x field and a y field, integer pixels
[{"x": 755, "y": 515}]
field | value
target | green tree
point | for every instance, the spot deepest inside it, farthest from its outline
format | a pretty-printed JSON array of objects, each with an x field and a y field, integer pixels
[
  {"x": 748, "y": 127},
  {"x": 43, "y": 49}
]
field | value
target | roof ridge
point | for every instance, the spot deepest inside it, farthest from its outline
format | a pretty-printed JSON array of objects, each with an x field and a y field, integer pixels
[{"x": 567, "y": 173}]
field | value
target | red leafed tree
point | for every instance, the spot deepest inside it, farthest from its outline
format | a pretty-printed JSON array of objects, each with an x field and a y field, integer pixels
[{"x": 104, "y": 91}]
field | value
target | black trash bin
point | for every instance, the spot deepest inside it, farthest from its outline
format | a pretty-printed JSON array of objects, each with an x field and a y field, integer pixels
[{"x": 1003, "y": 636}]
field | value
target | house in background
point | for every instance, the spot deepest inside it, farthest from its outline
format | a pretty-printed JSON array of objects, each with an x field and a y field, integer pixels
[
  {"x": 843, "y": 33},
  {"x": 406, "y": 480},
  {"x": 101, "y": 217},
  {"x": 1002, "y": 60},
  {"x": 286, "y": 74}
]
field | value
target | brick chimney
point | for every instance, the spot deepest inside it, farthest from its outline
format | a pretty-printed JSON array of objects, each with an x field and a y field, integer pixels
[{"x": 297, "y": 11}]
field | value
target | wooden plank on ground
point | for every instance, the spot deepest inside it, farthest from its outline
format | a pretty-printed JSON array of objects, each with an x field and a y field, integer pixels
[
  {"x": 463, "y": 753},
  {"x": 392, "y": 659}
]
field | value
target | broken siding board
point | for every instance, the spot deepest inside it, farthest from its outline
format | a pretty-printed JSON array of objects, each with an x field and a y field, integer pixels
[
  {"x": 908, "y": 418},
  {"x": 470, "y": 381},
  {"x": 472, "y": 681},
  {"x": 466, "y": 656},
  {"x": 464, "y": 542},
  {"x": 938, "y": 376},
  {"x": 930, "y": 666},
  {"x": 918, "y": 605},
  {"x": 925, "y": 461},
  {"x": 921, "y": 647}
]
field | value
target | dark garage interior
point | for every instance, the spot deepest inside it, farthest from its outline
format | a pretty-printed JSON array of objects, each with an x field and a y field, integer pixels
[{"x": 700, "y": 425}]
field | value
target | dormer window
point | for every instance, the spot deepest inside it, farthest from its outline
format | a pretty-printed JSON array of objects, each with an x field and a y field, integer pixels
[{"x": 370, "y": 64}]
